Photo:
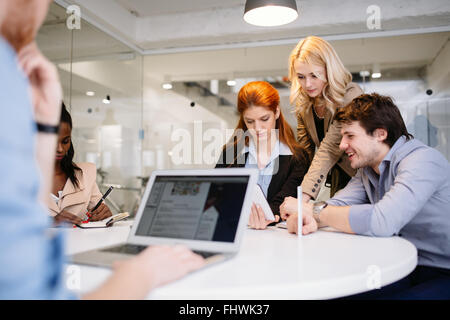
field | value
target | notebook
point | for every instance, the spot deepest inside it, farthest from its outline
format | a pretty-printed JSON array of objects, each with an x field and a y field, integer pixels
[
  {"x": 105, "y": 223},
  {"x": 205, "y": 210}
]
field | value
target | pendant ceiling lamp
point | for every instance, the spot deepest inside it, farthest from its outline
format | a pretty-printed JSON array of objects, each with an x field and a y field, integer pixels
[{"x": 269, "y": 13}]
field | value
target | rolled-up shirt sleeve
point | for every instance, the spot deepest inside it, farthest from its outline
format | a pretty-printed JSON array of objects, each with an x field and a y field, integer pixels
[
  {"x": 418, "y": 176},
  {"x": 359, "y": 218}
]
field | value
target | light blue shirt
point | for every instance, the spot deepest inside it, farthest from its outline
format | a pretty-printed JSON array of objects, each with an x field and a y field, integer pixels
[
  {"x": 410, "y": 197},
  {"x": 271, "y": 168},
  {"x": 31, "y": 260}
]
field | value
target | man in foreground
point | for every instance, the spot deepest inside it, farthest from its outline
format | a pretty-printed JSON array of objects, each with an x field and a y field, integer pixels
[
  {"x": 402, "y": 188},
  {"x": 32, "y": 259}
]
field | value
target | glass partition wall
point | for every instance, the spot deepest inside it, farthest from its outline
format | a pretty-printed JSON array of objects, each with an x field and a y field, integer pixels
[
  {"x": 102, "y": 84},
  {"x": 126, "y": 123}
]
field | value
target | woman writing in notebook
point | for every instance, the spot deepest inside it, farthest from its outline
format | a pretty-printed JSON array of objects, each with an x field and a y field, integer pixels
[
  {"x": 74, "y": 190},
  {"x": 319, "y": 85},
  {"x": 264, "y": 140}
]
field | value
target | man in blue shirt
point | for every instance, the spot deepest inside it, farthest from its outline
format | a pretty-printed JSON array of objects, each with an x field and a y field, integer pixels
[
  {"x": 32, "y": 258},
  {"x": 402, "y": 188}
]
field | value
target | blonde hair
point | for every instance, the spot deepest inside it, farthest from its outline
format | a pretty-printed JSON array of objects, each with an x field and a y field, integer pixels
[{"x": 316, "y": 51}]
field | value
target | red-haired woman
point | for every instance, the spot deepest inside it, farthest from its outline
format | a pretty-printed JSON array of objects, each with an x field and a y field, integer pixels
[{"x": 263, "y": 139}]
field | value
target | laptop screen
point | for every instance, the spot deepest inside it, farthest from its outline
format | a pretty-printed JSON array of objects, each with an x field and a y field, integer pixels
[{"x": 194, "y": 207}]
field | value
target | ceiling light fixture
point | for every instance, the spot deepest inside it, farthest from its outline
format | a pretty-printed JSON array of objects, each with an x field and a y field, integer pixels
[
  {"x": 107, "y": 100},
  {"x": 364, "y": 73},
  {"x": 167, "y": 86},
  {"x": 214, "y": 86},
  {"x": 167, "y": 83},
  {"x": 90, "y": 93},
  {"x": 231, "y": 83},
  {"x": 376, "y": 72},
  {"x": 376, "y": 75},
  {"x": 270, "y": 13}
]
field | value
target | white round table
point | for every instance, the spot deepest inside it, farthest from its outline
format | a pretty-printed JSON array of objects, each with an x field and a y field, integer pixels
[{"x": 273, "y": 264}]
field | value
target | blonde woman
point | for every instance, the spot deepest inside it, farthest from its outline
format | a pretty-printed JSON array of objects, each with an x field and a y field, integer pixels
[{"x": 320, "y": 85}]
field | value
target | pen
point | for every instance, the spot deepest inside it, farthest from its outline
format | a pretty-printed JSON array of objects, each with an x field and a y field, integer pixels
[{"x": 101, "y": 200}]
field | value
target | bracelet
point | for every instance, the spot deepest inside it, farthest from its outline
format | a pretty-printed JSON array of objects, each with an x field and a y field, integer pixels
[{"x": 45, "y": 128}]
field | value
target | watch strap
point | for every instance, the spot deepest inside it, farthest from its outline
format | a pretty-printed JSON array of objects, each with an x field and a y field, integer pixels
[{"x": 45, "y": 128}]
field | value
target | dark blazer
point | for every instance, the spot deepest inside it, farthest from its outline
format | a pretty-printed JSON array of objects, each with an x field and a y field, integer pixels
[{"x": 284, "y": 183}]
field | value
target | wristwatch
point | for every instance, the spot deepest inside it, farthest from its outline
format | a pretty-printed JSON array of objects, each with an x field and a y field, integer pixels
[
  {"x": 46, "y": 128},
  {"x": 317, "y": 208}
]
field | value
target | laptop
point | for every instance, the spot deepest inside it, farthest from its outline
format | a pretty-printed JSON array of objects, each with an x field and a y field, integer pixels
[{"x": 205, "y": 210}]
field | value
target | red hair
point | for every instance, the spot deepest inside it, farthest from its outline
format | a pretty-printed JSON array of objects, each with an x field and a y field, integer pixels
[{"x": 262, "y": 94}]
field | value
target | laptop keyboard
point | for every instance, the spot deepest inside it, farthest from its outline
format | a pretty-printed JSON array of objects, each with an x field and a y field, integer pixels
[
  {"x": 126, "y": 249},
  {"x": 136, "y": 249}
]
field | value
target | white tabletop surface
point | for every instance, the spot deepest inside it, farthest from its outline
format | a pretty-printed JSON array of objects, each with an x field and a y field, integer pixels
[{"x": 273, "y": 264}]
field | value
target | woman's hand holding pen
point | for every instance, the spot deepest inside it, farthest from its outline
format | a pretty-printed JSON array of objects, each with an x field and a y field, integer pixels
[{"x": 102, "y": 212}]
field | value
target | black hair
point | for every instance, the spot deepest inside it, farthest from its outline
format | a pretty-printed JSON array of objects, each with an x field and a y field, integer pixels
[{"x": 67, "y": 164}]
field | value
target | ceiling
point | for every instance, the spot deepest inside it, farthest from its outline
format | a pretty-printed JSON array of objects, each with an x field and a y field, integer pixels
[
  {"x": 201, "y": 40},
  {"x": 145, "y": 8},
  {"x": 97, "y": 40},
  {"x": 166, "y": 26}
]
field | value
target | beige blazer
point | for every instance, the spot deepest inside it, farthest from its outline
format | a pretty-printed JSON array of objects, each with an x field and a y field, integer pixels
[
  {"x": 328, "y": 152},
  {"x": 78, "y": 200}
]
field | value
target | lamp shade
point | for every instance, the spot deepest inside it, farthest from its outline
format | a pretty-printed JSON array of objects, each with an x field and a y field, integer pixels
[{"x": 269, "y": 13}]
